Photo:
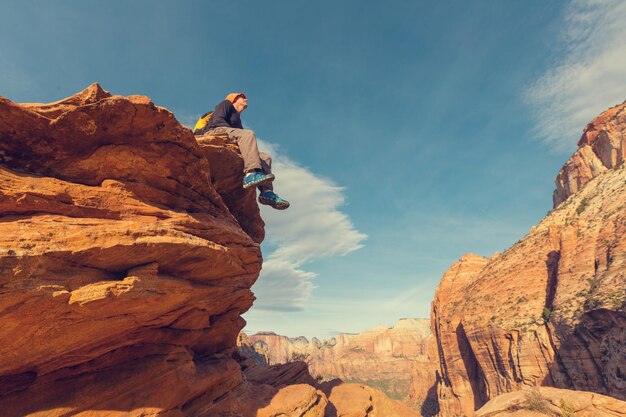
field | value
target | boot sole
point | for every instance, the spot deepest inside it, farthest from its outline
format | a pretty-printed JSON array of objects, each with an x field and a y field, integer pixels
[
  {"x": 260, "y": 182},
  {"x": 273, "y": 204}
]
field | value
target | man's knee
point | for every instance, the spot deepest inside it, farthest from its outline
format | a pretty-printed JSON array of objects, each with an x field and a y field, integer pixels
[{"x": 247, "y": 134}]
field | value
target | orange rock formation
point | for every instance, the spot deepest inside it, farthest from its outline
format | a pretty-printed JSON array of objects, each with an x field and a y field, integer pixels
[
  {"x": 124, "y": 271},
  {"x": 289, "y": 390},
  {"x": 549, "y": 310}
]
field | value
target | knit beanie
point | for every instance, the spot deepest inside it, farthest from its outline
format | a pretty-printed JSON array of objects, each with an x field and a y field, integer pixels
[{"x": 232, "y": 97}]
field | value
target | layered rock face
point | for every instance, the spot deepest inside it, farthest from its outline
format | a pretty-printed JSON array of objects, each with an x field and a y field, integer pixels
[
  {"x": 549, "y": 310},
  {"x": 123, "y": 271},
  {"x": 394, "y": 360},
  {"x": 278, "y": 349}
]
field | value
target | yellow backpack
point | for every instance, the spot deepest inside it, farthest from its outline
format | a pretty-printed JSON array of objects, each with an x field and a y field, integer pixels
[{"x": 201, "y": 123}]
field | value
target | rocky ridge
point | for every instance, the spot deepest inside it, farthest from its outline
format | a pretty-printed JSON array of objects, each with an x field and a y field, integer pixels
[
  {"x": 600, "y": 148},
  {"x": 551, "y": 309}
]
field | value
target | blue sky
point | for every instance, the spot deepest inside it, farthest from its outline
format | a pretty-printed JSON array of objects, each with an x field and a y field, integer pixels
[{"x": 405, "y": 133}]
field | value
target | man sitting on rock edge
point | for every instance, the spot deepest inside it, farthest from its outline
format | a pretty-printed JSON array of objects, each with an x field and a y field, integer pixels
[{"x": 257, "y": 165}]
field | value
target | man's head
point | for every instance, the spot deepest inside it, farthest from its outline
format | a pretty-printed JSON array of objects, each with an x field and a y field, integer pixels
[{"x": 239, "y": 100}]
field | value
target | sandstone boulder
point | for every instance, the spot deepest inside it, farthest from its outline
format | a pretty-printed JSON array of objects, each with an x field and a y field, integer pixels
[
  {"x": 356, "y": 400},
  {"x": 269, "y": 391},
  {"x": 545, "y": 401}
]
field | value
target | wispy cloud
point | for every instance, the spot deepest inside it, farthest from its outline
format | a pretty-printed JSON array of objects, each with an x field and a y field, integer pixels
[
  {"x": 283, "y": 286},
  {"x": 312, "y": 228},
  {"x": 409, "y": 297},
  {"x": 588, "y": 78}
]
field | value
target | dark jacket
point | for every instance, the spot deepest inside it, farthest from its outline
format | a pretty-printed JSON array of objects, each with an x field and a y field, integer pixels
[{"x": 224, "y": 115}]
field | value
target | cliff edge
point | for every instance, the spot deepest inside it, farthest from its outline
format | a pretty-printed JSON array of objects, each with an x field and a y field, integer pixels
[{"x": 124, "y": 270}]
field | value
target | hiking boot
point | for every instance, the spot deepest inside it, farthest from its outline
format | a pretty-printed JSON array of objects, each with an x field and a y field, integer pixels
[
  {"x": 256, "y": 178},
  {"x": 269, "y": 198}
]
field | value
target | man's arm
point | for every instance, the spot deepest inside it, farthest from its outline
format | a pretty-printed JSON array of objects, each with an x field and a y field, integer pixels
[{"x": 221, "y": 113}]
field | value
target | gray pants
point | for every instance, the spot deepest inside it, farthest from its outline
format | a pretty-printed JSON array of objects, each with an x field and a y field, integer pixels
[{"x": 252, "y": 158}]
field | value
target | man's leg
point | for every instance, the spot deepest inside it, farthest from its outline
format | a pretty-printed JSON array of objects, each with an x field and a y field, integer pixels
[
  {"x": 267, "y": 196},
  {"x": 266, "y": 166},
  {"x": 252, "y": 166},
  {"x": 246, "y": 140}
]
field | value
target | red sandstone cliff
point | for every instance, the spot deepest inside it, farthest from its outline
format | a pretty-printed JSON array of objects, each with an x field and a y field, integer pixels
[
  {"x": 394, "y": 360},
  {"x": 123, "y": 272},
  {"x": 127, "y": 253},
  {"x": 551, "y": 309}
]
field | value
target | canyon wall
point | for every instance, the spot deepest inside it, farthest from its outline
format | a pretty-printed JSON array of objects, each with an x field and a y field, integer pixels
[
  {"x": 394, "y": 360},
  {"x": 551, "y": 309}
]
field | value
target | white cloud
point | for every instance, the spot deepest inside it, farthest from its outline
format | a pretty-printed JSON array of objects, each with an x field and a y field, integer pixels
[
  {"x": 589, "y": 78},
  {"x": 282, "y": 286},
  {"x": 312, "y": 228}
]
